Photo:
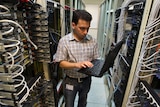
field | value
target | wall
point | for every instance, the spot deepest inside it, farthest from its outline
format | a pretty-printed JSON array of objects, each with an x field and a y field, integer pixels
[{"x": 94, "y": 11}]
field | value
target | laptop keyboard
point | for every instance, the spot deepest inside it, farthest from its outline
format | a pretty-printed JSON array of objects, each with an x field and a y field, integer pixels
[{"x": 95, "y": 70}]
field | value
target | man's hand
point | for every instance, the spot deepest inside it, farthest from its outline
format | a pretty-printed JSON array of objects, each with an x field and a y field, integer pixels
[
  {"x": 84, "y": 64},
  {"x": 70, "y": 65}
]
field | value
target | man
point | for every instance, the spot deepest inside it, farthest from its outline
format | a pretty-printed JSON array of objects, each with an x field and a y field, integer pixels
[{"x": 75, "y": 51}]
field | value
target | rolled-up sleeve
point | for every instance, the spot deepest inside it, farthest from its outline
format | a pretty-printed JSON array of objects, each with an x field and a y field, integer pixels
[{"x": 61, "y": 53}]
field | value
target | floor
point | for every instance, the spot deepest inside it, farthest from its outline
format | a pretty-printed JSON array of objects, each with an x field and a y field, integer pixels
[{"x": 97, "y": 96}]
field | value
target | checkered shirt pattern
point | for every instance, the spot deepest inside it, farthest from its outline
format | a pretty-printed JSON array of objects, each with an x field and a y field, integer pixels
[{"x": 75, "y": 51}]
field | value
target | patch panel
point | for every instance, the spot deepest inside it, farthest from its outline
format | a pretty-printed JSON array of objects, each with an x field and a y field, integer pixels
[
  {"x": 147, "y": 95},
  {"x": 41, "y": 40},
  {"x": 127, "y": 25},
  {"x": 146, "y": 70},
  {"x": 7, "y": 87},
  {"x": 40, "y": 34},
  {"x": 24, "y": 41},
  {"x": 6, "y": 78},
  {"x": 43, "y": 46},
  {"x": 7, "y": 102},
  {"x": 7, "y": 95},
  {"x": 2, "y": 69}
]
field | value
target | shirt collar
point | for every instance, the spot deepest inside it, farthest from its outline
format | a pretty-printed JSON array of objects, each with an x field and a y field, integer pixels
[{"x": 71, "y": 37}]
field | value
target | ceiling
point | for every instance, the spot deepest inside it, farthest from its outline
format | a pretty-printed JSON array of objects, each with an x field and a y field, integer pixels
[{"x": 97, "y": 2}]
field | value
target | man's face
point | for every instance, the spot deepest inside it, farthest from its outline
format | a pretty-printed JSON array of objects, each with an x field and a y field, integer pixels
[{"x": 81, "y": 29}]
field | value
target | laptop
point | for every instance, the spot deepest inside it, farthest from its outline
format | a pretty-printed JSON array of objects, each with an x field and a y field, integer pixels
[{"x": 101, "y": 66}]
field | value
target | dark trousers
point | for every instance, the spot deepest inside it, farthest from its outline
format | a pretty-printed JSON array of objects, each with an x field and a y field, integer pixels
[{"x": 72, "y": 87}]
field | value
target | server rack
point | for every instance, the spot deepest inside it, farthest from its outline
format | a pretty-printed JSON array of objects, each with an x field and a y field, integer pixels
[
  {"x": 30, "y": 33},
  {"x": 126, "y": 75}
]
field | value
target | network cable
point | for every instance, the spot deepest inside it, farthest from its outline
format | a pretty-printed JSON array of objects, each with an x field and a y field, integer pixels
[
  {"x": 10, "y": 21},
  {"x": 5, "y": 8},
  {"x": 146, "y": 60},
  {"x": 14, "y": 71}
]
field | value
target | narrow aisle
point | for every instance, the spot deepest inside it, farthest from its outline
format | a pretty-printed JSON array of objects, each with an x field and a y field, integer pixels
[{"x": 97, "y": 95}]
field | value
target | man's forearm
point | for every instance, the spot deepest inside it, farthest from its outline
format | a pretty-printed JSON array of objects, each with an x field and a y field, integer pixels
[{"x": 67, "y": 65}]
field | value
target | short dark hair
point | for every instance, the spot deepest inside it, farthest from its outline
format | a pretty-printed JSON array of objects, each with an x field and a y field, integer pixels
[{"x": 81, "y": 14}]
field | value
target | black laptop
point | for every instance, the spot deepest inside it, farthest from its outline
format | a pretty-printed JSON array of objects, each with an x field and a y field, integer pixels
[{"x": 102, "y": 66}]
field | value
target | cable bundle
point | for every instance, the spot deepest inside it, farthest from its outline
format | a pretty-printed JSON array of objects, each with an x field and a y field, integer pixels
[
  {"x": 13, "y": 87},
  {"x": 121, "y": 21},
  {"x": 37, "y": 20},
  {"x": 149, "y": 58},
  {"x": 150, "y": 54},
  {"x": 149, "y": 62}
]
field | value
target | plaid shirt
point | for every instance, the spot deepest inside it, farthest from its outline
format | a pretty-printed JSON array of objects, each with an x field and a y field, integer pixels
[{"x": 76, "y": 51}]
